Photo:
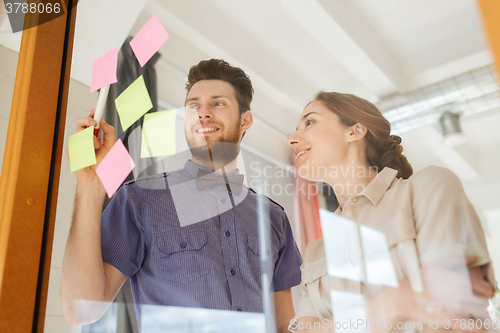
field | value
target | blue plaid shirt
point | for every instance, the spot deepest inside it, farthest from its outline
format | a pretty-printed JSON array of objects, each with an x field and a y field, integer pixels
[{"x": 181, "y": 246}]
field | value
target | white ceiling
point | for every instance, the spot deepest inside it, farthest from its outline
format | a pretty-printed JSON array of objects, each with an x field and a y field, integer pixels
[{"x": 293, "y": 48}]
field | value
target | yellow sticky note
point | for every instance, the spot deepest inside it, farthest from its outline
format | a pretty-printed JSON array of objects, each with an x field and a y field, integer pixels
[
  {"x": 158, "y": 134},
  {"x": 81, "y": 149},
  {"x": 133, "y": 103}
]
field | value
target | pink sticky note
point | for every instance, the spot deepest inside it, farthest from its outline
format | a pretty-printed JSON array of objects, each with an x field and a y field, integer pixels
[
  {"x": 115, "y": 167},
  {"x": 104, "y": 70},
  {"x": 149, "y": 40}
]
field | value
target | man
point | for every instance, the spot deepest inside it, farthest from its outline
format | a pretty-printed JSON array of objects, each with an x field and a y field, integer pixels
[{"x": 188, "y": 237}]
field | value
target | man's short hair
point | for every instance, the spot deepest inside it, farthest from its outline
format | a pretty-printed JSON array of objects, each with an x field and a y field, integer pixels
[{"x": 218, "y": 69}]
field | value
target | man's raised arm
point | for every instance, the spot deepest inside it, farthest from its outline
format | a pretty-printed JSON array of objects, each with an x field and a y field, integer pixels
[{"x": 84, "y": 274}]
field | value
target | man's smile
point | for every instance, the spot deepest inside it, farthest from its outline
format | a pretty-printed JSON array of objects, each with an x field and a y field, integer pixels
[{"x": 207, "y": 129}]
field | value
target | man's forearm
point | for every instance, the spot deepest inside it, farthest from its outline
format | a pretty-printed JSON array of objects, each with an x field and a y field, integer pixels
[{"x": 83, "y": 274}]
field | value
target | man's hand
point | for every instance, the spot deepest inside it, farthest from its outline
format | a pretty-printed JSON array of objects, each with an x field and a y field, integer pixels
[{"x": 88, "y": 174}]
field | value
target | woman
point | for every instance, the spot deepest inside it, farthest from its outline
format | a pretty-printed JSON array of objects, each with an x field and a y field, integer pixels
[{"x": 426, "y": 218}]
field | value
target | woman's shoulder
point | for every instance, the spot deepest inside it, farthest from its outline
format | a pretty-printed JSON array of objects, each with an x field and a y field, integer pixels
[
  {"x": 433, "y": 171},
  {"x": 435, "y": 180},
  {"x": 433, "y": 174}
]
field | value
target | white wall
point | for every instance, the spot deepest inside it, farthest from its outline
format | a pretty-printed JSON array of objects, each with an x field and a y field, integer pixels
[{"x": 8, "y": 65}]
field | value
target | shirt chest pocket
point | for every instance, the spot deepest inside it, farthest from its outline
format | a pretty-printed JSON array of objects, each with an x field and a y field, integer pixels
[
  {"x": 181, "y": 255},
  {"x": 254, "y": 246},
  {"x": 255, "y": 251}
]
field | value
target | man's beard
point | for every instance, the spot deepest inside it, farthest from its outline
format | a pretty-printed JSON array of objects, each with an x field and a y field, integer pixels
[{"x": 220, "y": 152}]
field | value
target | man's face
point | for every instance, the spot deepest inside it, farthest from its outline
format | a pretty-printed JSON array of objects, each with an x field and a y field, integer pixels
[{"x": 212, "y": 114}]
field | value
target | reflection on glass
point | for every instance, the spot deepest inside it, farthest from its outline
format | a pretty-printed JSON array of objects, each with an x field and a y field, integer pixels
[
  {"x": 266, "y": 264},
  {"x": 342, "y": 248},
  {"x": 107, "y": 324},
  {"x": 378, "y": 262},
  {"x": 348, "y": 310},
  {"x": 158, "y": 319},
  {"x": 86, "y": 311},
  {"x": 446, "y": 293},
  {"x": 134, "y": 148},
  {"x": 193, "y": 206},
  {"x": 447, "y": 278},
  {"x": 343, "y": 255},
  {"x": 166, "y": 319}
]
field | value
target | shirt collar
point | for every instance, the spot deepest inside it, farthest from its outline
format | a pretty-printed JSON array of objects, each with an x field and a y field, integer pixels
[
  {"x": 376, "y": 189},
  {"x": 192, "y": 169}
]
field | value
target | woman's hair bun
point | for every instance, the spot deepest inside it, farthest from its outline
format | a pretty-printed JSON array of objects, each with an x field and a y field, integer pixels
[
  {"x": 393, "y": 157},
  {"x": 396, "y": 138}
]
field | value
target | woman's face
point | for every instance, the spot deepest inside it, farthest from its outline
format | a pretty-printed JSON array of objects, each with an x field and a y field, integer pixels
[{"x": 320, "y": 143}]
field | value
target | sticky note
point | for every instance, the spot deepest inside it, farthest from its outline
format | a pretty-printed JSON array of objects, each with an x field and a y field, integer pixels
[
  {"x": 115, "y": 167},
  {"x": 133, "y": 103},
  {"x": 104, "y": 70},
  {"x": 149, "y": 40},
  {"x": 158, "y": 134},
  {"x": 81, "y": 149}
]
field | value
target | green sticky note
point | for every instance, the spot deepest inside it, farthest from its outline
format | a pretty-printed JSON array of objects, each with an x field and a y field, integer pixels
[
  {"x": 81, "y": 149},
  {"x": 158, "y": 134},
  {"x": 133, "y": 103}
]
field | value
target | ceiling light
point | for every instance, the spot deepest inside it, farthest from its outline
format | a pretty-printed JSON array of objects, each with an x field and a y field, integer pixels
[
  {"x": 452, "y": 131},
  {"x": 472, "y": 92}
]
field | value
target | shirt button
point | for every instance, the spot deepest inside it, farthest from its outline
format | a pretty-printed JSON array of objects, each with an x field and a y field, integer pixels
[
  {"x": 223, "y": 200},
  {"x": 228, "y": 233},
  {"x": 355, "y": 200},
  {"x": 233, "y": 272},
  {"x": 350, "y": 215},
  {"x": 183, "y": 244},
  {"x": 238, "y": 309}
]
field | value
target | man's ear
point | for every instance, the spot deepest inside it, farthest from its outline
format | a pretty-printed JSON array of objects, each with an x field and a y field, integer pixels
[
  {"x": 246, "y": 121},
  {"x": 356, "y": 132}
]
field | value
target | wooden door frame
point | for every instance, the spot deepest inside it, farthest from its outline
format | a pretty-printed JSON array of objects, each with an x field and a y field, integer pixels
[
  {"x": 31, "y": 168},
  {"x": 490, "y": 13}
]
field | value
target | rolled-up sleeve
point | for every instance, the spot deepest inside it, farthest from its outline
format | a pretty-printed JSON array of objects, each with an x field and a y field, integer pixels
[
  {"x": 304, "y": 307},
  {"x": 313, "y": 269}
]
